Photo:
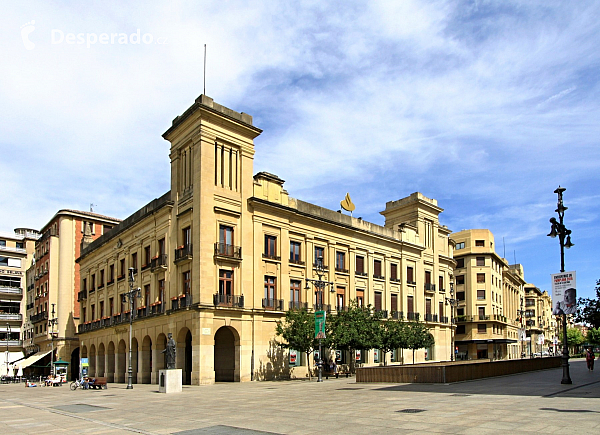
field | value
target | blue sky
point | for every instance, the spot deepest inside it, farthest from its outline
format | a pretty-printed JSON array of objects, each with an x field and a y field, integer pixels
[{"x": 485, "y": 106}]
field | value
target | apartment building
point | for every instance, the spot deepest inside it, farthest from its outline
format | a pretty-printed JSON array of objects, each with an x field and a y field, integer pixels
[
  {"x": 497, "y": 310},
  {"x": 16, "y": 254},
  {"x": 54, "y": 282},
  {"x": 222, "y": 256},
  {"x": 540, "y": 325}
]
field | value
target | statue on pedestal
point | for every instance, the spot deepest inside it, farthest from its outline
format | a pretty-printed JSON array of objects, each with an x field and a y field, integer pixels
[{"x": 170, "y": 352}]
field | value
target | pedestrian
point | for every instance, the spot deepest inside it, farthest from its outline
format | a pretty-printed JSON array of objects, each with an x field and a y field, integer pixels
[{"x": 589, "y": 359}]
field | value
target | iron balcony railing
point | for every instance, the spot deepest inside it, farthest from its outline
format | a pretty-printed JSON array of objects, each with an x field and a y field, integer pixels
[
  {"x": 159, "y": 262},
  {"x": 429, "y": 287},
  {"x": 157, "y": 308},
  {"x": 223, "y": 300},
  {"x": 428, "y": 317},
  {"x": 271, "y": 257},
  {"x": 296, "y": 305},
  {"x": 378, "y": 276},
  {"x": 444, "y": 319},
  {"x": 272, "y": 304},
  {"x": 412, "y": 315},
  {"x": 10, "y": 343},
  {"x": 229, "y": 251},
  {"x": 34, "y": 318},
  {"x": 181, "y": 302},
  {"x": 397, "y": 315},
  {"x": 183, "y": 253},
  {"x": 298, "y": 262},
  {"x": 394, "y": 279},
  {"x": 341, "y": 270},
  {"x": 362, "y": 274},
  {"x": 383, "y": 314}
]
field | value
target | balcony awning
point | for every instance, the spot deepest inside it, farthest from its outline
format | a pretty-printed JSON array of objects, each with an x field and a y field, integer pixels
[{"x": 32, "y": 359}]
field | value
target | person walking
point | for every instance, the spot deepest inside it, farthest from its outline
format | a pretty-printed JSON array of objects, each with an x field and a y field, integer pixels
[{"x": 589, "y": 359}]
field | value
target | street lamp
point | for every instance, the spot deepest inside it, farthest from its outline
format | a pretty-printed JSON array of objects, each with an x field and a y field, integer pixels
[
  {"x": 564, "y": 237},
  {"x": 51, "y": 322},
  {"x": 521, "y": 313},
  {"x": 131, "y": 295},
  {"x": 453, "y": 302},
  {"x": 319, "y": 286},
  {"x": 7, "y": 339}
]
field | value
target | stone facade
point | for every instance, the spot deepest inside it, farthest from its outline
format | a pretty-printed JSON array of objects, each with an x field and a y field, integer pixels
[{"x": 225, "y": 253}]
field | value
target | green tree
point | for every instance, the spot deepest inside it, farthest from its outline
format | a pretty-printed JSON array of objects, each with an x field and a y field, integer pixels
[
  {"x": 356, "y": 328},
  {"x": 589, "y": 309},
  {"x": 593, "y": 336},
  {"x": 392, "y": 335},
  {"x": 418, "y": 337},
  {"x": 574, "y": 337},
  {"x": 298, "y": 332}
]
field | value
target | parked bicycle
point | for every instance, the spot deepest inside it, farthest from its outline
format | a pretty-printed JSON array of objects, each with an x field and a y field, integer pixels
[{"x": 77, "y": 383}]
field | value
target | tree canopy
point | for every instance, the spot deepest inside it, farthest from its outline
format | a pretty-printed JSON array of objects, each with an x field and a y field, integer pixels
[
  {"x": 592, "y": 336},
  {"x": 298, "y": 331},
  {"x": 589, "y": 309},
  {"x": 574, "y": 337}
]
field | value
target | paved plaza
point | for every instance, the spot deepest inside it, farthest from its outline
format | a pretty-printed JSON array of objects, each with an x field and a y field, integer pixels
[{"x": 529, "y": 402}]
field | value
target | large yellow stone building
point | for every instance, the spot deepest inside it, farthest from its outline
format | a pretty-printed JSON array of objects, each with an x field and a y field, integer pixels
[{"x": 225, "y": 253}]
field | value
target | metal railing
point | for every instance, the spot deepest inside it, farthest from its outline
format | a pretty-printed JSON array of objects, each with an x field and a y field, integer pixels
[
  {"x": 229, "y": 251},
  {"x": 271, "y": 257},
  {"x": 181, "y": 302},
  {"x": 222, "y": 300},
  {"x": 413, "y": 316},
  {"x": 429, "y": 287},
  {"x": 158, "y": 262},
  {"x": 397, "y": 315},
  {"x": 183, "y": 253},
  {"x": 11, "y": 290},
  {"x": 297, "y": 305},
  {"x": 272, "y": 304},
  {"x": 38, "y": 317},
  {"x": 11, "y": 316}
]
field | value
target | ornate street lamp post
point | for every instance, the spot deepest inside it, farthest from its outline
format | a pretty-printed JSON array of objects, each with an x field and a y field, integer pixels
[
  {"x": 564, "y": 238},
  {"x": 319, "y": 286},
  {"x": 131, "y": 295},
  {"x": 453, "y": 302},
  {"x": 521, "y": 313},
  {"x": 51, "y": 322}
]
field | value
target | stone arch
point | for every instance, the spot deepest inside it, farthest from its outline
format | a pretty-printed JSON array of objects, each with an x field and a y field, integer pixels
[
  {"x": 121, "y": 361},
  {"x": 146, "y": 360},
  {"x": 93, "y": 362},
  {"x": 184, "y": 355},
  {"x": 110, "y": 362},
  {"x": 134, "y": 360},
  {"x": 227, "y": 355},
  {"x": 101, "y": 363}
]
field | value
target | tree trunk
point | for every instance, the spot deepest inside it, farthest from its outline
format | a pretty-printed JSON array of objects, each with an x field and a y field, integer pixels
[{"x": 413, "y": 356}]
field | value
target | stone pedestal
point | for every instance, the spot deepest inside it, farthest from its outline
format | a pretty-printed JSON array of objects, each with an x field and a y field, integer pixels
[{"x": 169, "y": 381}]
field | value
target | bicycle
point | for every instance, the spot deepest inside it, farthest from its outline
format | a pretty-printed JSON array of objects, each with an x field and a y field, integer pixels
[{"x": 77, "y": 383}]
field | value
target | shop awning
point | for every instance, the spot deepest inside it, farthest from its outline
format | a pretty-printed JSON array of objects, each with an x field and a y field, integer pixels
[{"x": 32, "y": 359}]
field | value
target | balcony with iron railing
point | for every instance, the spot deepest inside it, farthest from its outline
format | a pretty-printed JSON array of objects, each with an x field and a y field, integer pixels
[
  {"x": 413, "y": 316},
  {"x": 272, "y": 304},
  {"x": 297, "y": 305},
  {"x": 375, "y": 276},
  {"x": 271, "y": 257},
  {"x": 444, "y": 319},
  {"x": 482, "y": 318},
  {"x": 297, "y": 262},
  {"x": 231, "y": 301},
  {"x": 157, "y": 308},
  {"x": 158, "y": 263},
  {"x": 34, "y": 318},
  {"x": 365, "y": 274},
  {"x": 82, "y": 295},
  {"x": 183, "y": 253},
  {"x": 230, "y": 252},
  {"x": 382, "y": 314},
  {"x": 181, "y": 302},
  {"x": 429, "y": 287},
  {"x": 397, "y": 315},
  {"x": 341, "y": 270},
  {"x": 395, "y": 280}
]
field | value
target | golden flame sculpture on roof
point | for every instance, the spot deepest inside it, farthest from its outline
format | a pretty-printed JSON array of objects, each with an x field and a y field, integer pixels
[{"x": 347, "y": 204}]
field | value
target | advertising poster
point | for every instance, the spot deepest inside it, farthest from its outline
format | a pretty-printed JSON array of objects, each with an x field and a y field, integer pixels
[{"x": 564, "y": 293}]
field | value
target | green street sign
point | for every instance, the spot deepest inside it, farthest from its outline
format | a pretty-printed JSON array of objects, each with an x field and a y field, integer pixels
[{"x": 319, "y": 324}]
